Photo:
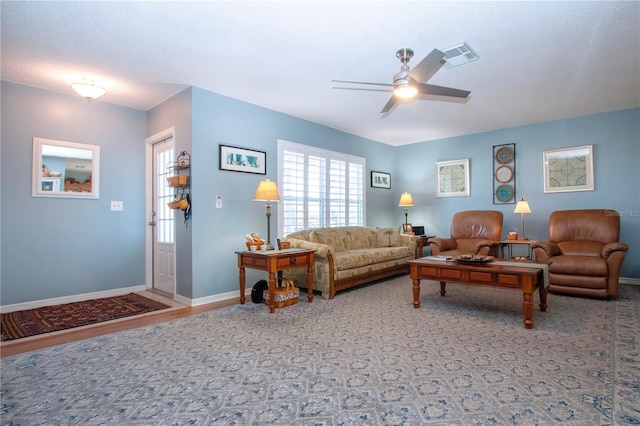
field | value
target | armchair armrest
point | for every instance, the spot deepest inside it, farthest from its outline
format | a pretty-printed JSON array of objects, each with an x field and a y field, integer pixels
[
  {"x": 487, "y": 243},
  {"x": 544, "y": 250},
  {"x": 610, "y": 248},
  {"x": 438, "y": 245}
]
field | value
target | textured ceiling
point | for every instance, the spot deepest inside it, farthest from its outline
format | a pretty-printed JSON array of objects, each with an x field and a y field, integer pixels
[{"x": 539, "y": 61}]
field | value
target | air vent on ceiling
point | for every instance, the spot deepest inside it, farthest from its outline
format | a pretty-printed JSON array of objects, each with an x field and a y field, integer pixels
[{"x": 458, "y": 55}]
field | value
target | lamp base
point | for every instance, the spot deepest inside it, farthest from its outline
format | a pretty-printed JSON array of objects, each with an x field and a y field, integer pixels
[{"x": 268, "y": 246}]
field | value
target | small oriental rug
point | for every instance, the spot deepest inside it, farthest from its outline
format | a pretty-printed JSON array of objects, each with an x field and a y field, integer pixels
[{"x": 47, "y": 319}]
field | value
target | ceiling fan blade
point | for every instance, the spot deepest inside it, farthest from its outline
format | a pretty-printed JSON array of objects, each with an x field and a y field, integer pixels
[
  {"x": 389, "y": 105},
  {"x": 362, "y": 82},
  {"x": 430, "y": 89},
  {"x": 364, "y": 89},
  {"x": 426, "y": 68}
]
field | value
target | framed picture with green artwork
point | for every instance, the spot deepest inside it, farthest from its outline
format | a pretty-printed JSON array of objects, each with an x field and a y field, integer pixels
[
  {"x": 452, "y": 178},
  {"x": 568, "y": 169}
]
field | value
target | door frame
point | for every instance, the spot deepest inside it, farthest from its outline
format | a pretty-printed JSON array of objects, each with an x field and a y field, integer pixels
[{"x": 148, "y": 202}]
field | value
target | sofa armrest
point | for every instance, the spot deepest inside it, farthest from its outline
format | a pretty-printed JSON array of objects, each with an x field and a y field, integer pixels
[
  {"x": 322, "y": 250},
  {"x": 411, "y": 241},
  {"x": 610, "y": 248},
  {"x": 438, "y": 245},
  {"x": 544, "y": 250}
]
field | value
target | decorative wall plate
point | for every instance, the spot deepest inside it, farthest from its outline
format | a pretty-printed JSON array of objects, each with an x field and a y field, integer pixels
[
  {"x": 504, "y": 174},
  {"x": 504, "y": 155},
  {"x": 504, "y": 193}
]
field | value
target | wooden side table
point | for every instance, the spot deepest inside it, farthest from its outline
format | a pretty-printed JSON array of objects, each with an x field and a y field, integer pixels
[
  {"x": 274, "y": 262},
  {"x": 509, "y": 243},
  {"x": 425, "y": 243}
]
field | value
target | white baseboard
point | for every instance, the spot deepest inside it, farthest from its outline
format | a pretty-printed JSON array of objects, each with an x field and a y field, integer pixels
[
  {"x": 632, "y": 281},
  {"x": 70, "y": 299},
  {"x": 215, "y": 298}
]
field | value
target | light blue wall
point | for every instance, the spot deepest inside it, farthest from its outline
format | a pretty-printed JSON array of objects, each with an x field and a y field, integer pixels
[
  {"x": 60, "y": 247},
  {"x": 54, "y": 247},
  {"x": 176, "y": 112},
  {"x": 615, "y": 137},
  {"x": 218, "y": 233}
]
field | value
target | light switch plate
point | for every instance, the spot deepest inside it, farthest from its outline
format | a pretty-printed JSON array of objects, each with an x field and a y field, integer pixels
[{"x": 218, "y": 202}]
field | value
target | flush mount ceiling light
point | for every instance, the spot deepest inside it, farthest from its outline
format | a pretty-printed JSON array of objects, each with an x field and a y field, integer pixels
[{"x": 88, "y": 89}]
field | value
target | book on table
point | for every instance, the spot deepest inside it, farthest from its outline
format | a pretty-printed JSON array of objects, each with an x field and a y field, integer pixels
[{"x": 439, "y": 257}]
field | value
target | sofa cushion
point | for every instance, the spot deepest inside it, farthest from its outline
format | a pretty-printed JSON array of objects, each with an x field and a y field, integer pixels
[
  {"x": 356, "y": 258},
  {"x": 388, "y": 237},
  {"x": 300, "y": 235},
  {"x": 345, "y": 238}
]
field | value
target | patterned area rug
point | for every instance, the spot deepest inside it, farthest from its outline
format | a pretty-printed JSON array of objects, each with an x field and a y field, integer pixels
[
  {"x": 365, "y": 358},
  {"x": 19, "y": 324}
]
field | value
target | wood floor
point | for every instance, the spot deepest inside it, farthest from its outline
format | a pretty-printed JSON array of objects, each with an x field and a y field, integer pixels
[{"x": 32, "y": 343}]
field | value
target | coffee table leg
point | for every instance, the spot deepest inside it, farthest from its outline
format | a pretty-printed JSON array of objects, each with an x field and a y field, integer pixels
[
  {"x": 310, "y": 283},
  {"x": 527, "y": 306},
  {"x": 242, "y": 284},
  {"x": 416, "y": 294},
  {"x": 543, "y": 298},
  {"x": 443, "y": 289}
]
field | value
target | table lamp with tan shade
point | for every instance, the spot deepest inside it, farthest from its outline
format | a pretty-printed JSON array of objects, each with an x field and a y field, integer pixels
[
  {"x": 523, "y": 208},
  {"x": 406, "y": 201},
  {"x": 267, "y": 191}
]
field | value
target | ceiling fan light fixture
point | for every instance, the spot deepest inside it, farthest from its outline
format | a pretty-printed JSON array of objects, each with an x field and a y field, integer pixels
[
  {"x": 88, "y": 89},
  {"x": 405, "y": 90}
]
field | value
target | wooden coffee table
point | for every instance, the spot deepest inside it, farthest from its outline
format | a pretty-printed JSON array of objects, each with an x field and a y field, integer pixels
[{"x": 526, "y": 279}]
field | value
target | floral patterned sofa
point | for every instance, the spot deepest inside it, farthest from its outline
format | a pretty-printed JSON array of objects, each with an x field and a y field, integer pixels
[{"x": 352, "y": 255}]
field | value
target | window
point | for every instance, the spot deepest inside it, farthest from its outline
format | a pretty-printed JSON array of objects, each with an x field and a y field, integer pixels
[{"x": 318, "y": 188}]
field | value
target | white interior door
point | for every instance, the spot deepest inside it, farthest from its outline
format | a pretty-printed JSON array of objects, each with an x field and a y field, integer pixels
[{"x": 162, "y": 219}]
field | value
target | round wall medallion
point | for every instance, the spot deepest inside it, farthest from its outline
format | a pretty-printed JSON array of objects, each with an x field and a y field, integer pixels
[
  {"x": 504, "y": 193},
  {"x": 504, "y": 174},
  {"x": 504, "y": 155}
]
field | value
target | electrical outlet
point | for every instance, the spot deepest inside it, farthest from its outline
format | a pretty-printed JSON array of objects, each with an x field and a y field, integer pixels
[
  {"x": 219, "y": 202},
  {"x": 117, "y": 206}
]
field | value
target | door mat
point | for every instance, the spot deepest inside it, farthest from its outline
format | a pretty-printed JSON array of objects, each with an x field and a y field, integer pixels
[{"x": 47, "y": 319}]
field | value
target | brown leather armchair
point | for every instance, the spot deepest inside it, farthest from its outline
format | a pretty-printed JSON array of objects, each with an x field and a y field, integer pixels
[
  {"x": 475, "y": 232},
  {"x": 583, "y": 252}
]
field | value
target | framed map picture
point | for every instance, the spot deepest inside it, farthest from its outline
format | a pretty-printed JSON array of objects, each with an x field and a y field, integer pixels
[
  {"x": 452, "y": 178},
  {"x": 568, "y": 169}
]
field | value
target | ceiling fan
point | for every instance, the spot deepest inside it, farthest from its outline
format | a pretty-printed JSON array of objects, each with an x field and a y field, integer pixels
[{"x": 410, "y": 82}]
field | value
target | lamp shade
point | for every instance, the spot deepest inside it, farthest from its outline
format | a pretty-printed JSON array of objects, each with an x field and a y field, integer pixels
[
  {"x": 406, "y": 200},
  {"x": 267, "y": 191},
  {"x": 522, "y": 207},
  {"x": 88, "y": 90}
]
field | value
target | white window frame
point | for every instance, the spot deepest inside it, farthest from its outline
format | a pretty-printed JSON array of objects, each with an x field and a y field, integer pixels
[{"x": 329, "y": 155}]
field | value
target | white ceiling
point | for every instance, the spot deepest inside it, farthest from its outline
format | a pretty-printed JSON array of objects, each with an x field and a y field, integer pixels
[{"x": 539, "y": 61}]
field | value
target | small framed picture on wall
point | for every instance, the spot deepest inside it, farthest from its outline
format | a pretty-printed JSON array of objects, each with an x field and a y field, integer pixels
[{"x": 380, "y": 180}]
